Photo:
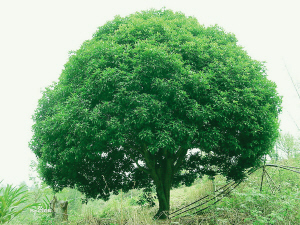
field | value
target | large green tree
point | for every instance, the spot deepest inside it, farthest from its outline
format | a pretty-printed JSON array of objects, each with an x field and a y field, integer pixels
[{"x": 154, "y": 98}]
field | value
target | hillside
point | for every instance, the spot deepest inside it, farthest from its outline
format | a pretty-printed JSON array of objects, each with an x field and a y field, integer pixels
[{"x": 277, "y": 203}]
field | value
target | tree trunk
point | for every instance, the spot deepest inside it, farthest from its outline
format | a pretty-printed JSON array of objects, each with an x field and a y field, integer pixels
[
  {"x": 163, "y": 196},
  {"x": 163, "y": 188},
  {"x": 162, "y": 174}
]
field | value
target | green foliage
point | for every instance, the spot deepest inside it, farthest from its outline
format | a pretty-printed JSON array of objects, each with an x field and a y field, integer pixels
[
  {"x": 46, "y": 202},
  {"x": 45, "y": 219},
  {"x": 274, "y": 205},
  {"x": 245, "y": 205},
  {"x": 263, "y": 208},
  {"x": 147, "y": 88},
  {"x": 147, "y": 198},
  {"x": 12, "y": 201}
]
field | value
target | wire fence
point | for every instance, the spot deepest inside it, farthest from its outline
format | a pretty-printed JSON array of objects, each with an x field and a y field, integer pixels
[
  {"x": 200, "y": 205},
  {"x": 197, "y": 207}
]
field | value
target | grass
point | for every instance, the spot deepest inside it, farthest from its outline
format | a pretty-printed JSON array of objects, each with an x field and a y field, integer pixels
[
  {"x": 13, "y": 201},
  {"x": 245, "y": 205}
]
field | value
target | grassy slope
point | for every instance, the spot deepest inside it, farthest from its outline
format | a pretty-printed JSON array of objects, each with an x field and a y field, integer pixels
[{"x": 245, "y": 205}]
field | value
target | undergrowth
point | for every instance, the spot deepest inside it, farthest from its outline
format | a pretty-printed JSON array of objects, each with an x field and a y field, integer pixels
[{"x": 277, "y": 201}]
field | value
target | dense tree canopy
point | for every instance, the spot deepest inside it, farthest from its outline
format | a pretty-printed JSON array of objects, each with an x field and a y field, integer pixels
[{"x": 134, "y": 101}]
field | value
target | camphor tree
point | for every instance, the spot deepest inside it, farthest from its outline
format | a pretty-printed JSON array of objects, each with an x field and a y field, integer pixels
[{"x": 134, "y": 101}]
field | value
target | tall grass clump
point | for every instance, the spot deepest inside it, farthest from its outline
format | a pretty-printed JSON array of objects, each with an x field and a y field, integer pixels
[{"x": 12, "y": 202}]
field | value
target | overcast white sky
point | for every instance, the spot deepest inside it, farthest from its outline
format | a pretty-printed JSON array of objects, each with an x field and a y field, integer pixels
[{"x": 36, "y": 36}]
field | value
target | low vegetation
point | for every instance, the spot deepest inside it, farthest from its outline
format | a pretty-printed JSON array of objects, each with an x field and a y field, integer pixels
[
  {"x": 13, "y": 201},
  {"x": 267, "y": 196},
  {"x": 277, "y": 201}
]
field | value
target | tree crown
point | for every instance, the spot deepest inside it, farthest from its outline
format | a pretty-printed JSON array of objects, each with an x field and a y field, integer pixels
[{"x": 148, "y": 88}]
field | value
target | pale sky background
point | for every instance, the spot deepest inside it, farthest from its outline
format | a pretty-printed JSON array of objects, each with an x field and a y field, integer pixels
[{"x": 36, "y": 36}]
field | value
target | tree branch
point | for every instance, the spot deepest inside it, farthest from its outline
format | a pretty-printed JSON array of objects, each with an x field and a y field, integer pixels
[
  {"x": 137, "y": 162},
  {"x": 180, "y": 155}
]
